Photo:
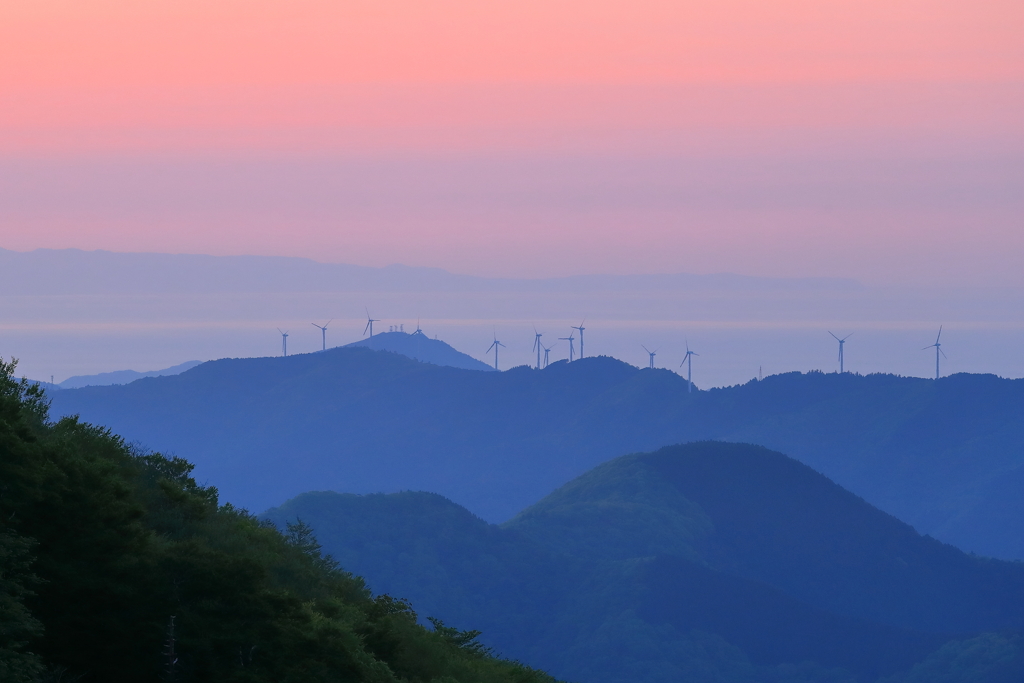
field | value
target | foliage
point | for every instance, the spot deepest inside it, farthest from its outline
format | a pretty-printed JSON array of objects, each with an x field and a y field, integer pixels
[
  {"x": 709, "y": 562},
  {"x": 987, "y": 658},
  {"x": 17, "y": 625},
  {"x": 464, "y": 640},
  {"x": 945, "y": 456},
  {"x": 116, "y": 566}
]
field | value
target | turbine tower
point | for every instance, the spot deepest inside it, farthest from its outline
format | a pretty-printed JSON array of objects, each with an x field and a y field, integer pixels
[
  {"x": 580, "y": 328},
  {"x": 841, "y": 342},
  {"x": 569, "y": 339},
  {"x": 688, "y": 359},
  {"x": 495, "y": 346},
  {"x": 938, "y": 350},
  {"x": 369, "y": 323},
  {"x": 284, "y": 342},
  {"x": 537, "y": 346},
  {"x": 547, "y": 350},
  {"x": 323, "y": 331},
  {"x": 652, "y": 354}
]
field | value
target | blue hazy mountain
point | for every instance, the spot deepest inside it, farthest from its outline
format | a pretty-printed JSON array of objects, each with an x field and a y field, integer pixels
[
  {"x": 703, "y": 562},
  {"x": 73, "y": 271},
  {"x": 946, "y": 456},
  {"x": 122, "y": 376},
  {"x": 419, "y": 346}
]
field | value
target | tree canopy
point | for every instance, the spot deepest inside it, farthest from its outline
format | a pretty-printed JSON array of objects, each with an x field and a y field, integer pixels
[{"x": 117, "y": 566}]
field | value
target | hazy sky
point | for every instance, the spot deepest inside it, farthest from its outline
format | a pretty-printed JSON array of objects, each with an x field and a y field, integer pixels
[{"x": 881, "y": 140}]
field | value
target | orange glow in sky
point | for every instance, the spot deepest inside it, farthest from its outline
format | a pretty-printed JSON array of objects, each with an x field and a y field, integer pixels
[
  {"x": 199, "y": 43},
  {"x": 614, "y": 80},
  {"x": 266, "y": 65}
]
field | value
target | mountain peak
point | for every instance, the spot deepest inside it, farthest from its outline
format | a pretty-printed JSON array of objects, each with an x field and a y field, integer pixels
[{"x": 419, "y": 346}]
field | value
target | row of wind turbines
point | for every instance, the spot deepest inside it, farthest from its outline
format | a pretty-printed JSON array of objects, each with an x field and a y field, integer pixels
[
  {"x": 937, "y": 346},
  {"x": 323, "y": 332},
  {"x": 538, "y": 346}
]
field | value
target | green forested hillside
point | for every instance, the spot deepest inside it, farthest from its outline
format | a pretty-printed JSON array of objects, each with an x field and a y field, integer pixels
[
  {"x": 115, "y": 566},
  {"x": 758, "y": 514},
  {"x": 708, "y": 562}
]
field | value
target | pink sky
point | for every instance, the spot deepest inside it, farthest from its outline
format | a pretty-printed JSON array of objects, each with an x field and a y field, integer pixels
[{"x": 880, "y": 140}]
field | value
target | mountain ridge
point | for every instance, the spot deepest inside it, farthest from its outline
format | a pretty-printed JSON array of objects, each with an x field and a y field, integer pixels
[
  {"x": 946, "y": 456},
  {"x": 837, "y": 585},
  {"x": 420, "y": 347},
  {"x": 103, "y": 271}
]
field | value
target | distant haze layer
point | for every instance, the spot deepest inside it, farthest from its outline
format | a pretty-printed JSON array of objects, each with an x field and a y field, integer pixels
[
  {"x": 66, "y": 313},
  {"x": 874, "y": 140}
]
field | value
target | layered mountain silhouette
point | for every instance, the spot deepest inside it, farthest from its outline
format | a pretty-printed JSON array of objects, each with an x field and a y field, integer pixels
[
  {"x": 946, "y": 456},
  {"x": 122, "y": 376},
  {"x": 419, "y": 346},
  {"x": 74, "y": 271},
  {"x": 702, "y": 562}
]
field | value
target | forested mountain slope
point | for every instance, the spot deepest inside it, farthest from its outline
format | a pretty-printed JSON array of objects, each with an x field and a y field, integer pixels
[
  {"x": 115, "y": 566},
  {"x": 946, "y": 456},
  {"x": 703, "y": 562}
]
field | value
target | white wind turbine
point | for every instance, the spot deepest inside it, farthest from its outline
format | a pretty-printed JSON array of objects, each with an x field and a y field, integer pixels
[
  {"x": 688, "y": 359},
  {"x": 841, "y": 343},
  {"x": 938, "y": 350}
]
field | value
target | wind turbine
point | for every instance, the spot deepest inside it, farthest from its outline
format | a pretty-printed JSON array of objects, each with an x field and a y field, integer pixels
[
  {"x": 580, "y": 328},
  {"x": 547, "y": 350},
  {"x": 495, "y": 346},
  {"x": 323, "y": 331},
  {"x": 537, "y": 346},
  {"x": 652, "y": 354},
  {"x": 938, "y": 350},
  {"x": 284, "y": 342},
  {"x": 369, "y": 323},
  {"x": 688, "y": 359},
  {"x": 569, "y": 339},
  {"x": 841, "y": 342}
]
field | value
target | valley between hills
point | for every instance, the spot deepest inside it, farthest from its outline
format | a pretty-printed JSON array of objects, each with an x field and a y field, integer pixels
[{"x": 590, "y": 521}]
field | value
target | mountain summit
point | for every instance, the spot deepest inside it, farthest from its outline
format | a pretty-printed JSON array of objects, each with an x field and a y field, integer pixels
[
  {"x": 946, "y": 456},
  {"x": 707, "y": 562},
  {"x": 419, "y": 346}
]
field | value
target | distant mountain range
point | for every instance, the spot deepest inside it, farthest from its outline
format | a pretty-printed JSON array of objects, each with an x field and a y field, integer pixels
[
  {"x": 415, "y": 345},
  {"x": 705, "y": 562},
  {"x": 946, "y": 456},
  {"x": 72, "y": 271},
  {"x": 121, "y": 376},
  {"x": 419, "y": 346}
]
